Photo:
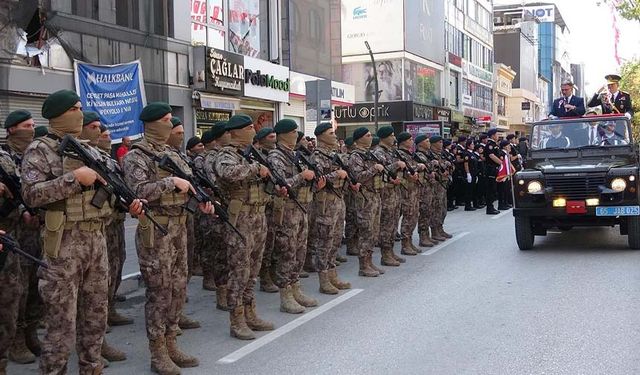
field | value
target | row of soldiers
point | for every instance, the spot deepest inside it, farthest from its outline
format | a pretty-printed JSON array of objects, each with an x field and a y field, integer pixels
[{"x": 275, "y": 203}]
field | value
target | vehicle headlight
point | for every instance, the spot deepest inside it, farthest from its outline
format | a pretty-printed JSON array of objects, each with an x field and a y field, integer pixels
[
  {"x": 534, "y": 187},
  {"x": 618, "y": 184}
]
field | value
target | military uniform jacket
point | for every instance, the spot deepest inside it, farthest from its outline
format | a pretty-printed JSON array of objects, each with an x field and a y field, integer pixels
[
  {"x": 363, "y": 169},
  {"x": 235, "y": 175},
  {"x": 283, "y": 162},
  {"x": 388, "y": 159},
  {"x": 622, "y": 102},
  {"x": 490, "y": 164},
  {"x": 323, "y": 159},
  {"x": 408, "y": 159},
  {"x": 10, "y": 218}
]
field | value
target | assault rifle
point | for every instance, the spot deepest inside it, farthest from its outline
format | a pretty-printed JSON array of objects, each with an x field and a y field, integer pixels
[
  {"x": 353, "y": 180},
  {"x": 302, "y": 158},
  {"x": 200, "y": 196},
  {"x": 9, "y": 244},
  {"x": 71, "y": 148},
  {"x": 12, "y": 183},
  {"x": 388, "y": 172},
  {"x": 253, "y": 154},
  {"x": 410, "y": 169}
]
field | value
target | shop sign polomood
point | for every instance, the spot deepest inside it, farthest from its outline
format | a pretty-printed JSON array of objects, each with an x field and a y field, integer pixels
[{"x": 264, "y": 80}]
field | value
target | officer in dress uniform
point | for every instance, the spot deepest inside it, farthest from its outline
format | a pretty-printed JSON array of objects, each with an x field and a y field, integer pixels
[
  {"x": 492, "y": 163},
  {"x": 615, "y": 100}
]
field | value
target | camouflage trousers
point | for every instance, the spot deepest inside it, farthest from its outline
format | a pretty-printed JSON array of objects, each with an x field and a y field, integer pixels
[
  {"x": 213, "y": 255},
  {"x": 30, "y": 311},
  {"x": 425, "y": 218},
  {"x": 410, "y": 209},
  {"x": 439, "y": 205},
  {"x": 10, "y": 293},
  {"x": 367, "y": 222},
  {"x": 193, "y": 259},
  {"x": 290, "y": 244},
  {"x": 267, "y": 255},
  {"x": 74, "y": 292},
  {"x": 350, "y": 227},
  {"x": 164, "y": 270},
  {"x": 337, "y": 239},
  {"x": 389, "y": 215},
  {"x": 245, "y": 258},
  {"x": 116, "y": 254},
  {"x": 326, "y": 221}
]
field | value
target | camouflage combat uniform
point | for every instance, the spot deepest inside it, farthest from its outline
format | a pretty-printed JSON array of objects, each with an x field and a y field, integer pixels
[
  {"x": 203, "y": 229},
  {"x": 439, "y": 203},
  {"x": 74, "y": 287},
  {"x": 214, "y": 259},
  {"x": 426, "y": 196},
  {"x": 410, "y": 201}
]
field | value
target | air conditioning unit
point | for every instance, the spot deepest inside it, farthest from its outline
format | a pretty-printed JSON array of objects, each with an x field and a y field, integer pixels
[
  {"x": 497, "y": 20},
  {"x": 515, "y": 21}
]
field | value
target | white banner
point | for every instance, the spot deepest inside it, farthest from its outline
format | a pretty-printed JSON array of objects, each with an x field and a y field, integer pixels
[{"x": 380, "y": 22}]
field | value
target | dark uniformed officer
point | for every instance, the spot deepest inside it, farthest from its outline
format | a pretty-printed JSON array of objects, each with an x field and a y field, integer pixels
[
  {"x": 613, "y": 101},
  {"x": 492, "y": 159}
]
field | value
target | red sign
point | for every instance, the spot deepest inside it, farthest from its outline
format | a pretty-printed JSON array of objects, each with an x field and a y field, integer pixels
[
  {"x": 484, "y": 119},
  {"x": 576, "y": 207},
  {"x": 455, "y": 59}
]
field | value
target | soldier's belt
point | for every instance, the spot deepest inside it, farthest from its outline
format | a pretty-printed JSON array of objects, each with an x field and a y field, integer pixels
[
  {"x": 85, "y": 226},
  {"x": 325, "y": 196},
  {"x": 165, "y": 220},
  {"x": 253, "y": 208}
]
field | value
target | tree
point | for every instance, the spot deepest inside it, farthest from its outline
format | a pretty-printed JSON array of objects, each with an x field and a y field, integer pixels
[
  {"x": 630, "y": 83},
  {"x": 629, "y": 9}
]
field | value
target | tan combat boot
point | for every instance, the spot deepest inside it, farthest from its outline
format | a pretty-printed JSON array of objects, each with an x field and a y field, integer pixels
[
  {"x": 341, "y": 258},
  {"x": 18, "y": 352},
  {"x": 301, "y": 298},
  {"x": 288, "y": 304},
  {"x": 208, "y": 282},
  {"x": 116, "y": 319},
  {"x": 435, "y": 234},
  {"x": 110, "y": 353},
  {"x": 326, "y": 287},
  {"x": 3, "y": 367},
  {"x": 371, "y": 265},
  {"x": 266, "y": 284},
  {"x": 333, "y": 279},
  {"x": 31, "y": 339},
  {"x": 221, "y": 298},
  {"x": 425, "y": 239},
  {"x": 387, "y": 258},
  {"x": 397, "y": 257},
  {"x": 407, "y": 249},
  {"x": 442, "y": 232},
  {"x": 187, "y": 323},
  {"x": 160, "y": 361},
  {"x": 253, "y": 321},
  {"x": 179, "y": 357},
  {"x": 365, "y": 269},
  {"x": 238, "y": 327}
]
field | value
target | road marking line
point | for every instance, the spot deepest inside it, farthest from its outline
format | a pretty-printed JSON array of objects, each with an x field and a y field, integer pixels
[
  {"x": 264, "y": 340},
  {"x": 444, "y": 244},
  {"x": 131, "y": 276},
  {"x": 501, "y": 214}
]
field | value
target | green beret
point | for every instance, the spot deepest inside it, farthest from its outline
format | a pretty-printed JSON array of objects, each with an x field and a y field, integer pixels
[
  {"x": 58, "y": 103},
  {"x": 447, "y": 142},
  {"x": 285, "y": 126},
  {"x": 421, "y": 138},
  {"x": 175, "y": 121},
  {"x": 375, "y": 140},
  {"x": 16, "y": 117},
  {"x": 262, "y": 133},
  {"x": 239, "y": 122},
  {"x": 359, "y": 133},
  {"x": 40, "y": 131},
  {"x": 192, "y": 142},
  {"x": 323, "y": 127},
  {"x": 403, "y": 137},
  {"x": 348, "y": 141},
  {"x": 217, "y": 130},
  {"x": 384, "y": 131},
  {"x": 435, "y": 138},
  {"x": 300, "y": 135},
  {"x": 207, "y": 136},
  {"x": 154, "y": 111},
  {"x": 88, "y": 117}
]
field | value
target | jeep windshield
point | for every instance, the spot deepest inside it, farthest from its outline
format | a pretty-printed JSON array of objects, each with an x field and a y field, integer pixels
[{"x": 580, "y": 133}]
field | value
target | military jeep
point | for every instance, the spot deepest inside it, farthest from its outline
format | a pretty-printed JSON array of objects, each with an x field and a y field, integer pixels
[{"x": 580, "y": 171}]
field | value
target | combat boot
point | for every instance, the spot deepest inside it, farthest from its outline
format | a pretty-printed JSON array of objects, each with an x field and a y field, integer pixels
[
  {"x": 238, "y": 327},
  {"x": 208, "y": 282},
  {"x": 365, "y": 270},
  {"x": 253, "y": 321},
  {"x": 110, "y": 353},
  {"x": 303, "y": 274},
  {"x": 425, "y": 239},
  {"x": 221, "y": 298},
  {"x": 266, "y": 284},
  {"x": 407, "y": 249},
  {"x": 371, "y": 265},
  {"x": 351, "y": 249},
  {"x": 3, "y": 367},
  {"x": 301, "y": 298},
  {"x": 117, "y": 319},
  {"x": 160, "y": 361},
  {"x": 414, "y": 247},
  {"x": 288, "y": 304},
  {"x": 326, "y": 287},
  {"x": 187, "y": 323},
  {"x": 435, "y": 234},
  {"x": 31, "y": 339},
  {"x": 18, "y": 352},
  {"x": 179, "y": 357},
  {"x": 387, "y": 258},
  {"x": 341, "y": 258},
  {"x": 445, "y": 234},
  {"x": 333, "y": 279}
]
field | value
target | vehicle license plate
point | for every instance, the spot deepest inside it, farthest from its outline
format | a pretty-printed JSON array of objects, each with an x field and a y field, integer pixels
[{"x": 618, "y": 211}]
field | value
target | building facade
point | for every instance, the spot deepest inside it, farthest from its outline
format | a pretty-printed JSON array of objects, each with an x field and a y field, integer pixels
[{"x": 503, "y": 92}]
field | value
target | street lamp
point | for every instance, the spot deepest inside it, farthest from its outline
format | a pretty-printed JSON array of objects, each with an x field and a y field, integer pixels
[{"x": 375, "y": 86}]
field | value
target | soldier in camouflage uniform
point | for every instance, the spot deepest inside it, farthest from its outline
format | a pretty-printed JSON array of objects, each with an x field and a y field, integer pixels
[
  {"x": 91, "y": 132},
  {"x": 162, "y": 259},
  {"x": 290, "y": 221},
  {"x": 428, "y": 179},
  {"x": 326, "y": 215},
  {"x": 389, "y": 196},
  {"x": 74, "y": 287},
  {"x": 410, "y": 194},
  {"x": 265, "y": 141},
  {"x": 439, "y": 208},
  {"x": 241, "y": 181},
  {"x": 350, "y": 227},
  {"x": 367, "y": 208},
  {"x": 19, "y": 126},
  {"x": 214, "y": 259}
]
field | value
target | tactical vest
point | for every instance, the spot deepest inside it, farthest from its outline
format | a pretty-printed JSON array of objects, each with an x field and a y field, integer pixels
[
  {"x": 8, "y": 209},
  {"x": 377, "y": 183},
  {"x": 246, "y": 192},
  {"x": 304, "y": 193},
  {"x": 170, "y": 199}
]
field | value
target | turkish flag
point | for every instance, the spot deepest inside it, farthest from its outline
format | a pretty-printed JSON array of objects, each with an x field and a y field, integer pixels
[{"x": 505, "y": 169}]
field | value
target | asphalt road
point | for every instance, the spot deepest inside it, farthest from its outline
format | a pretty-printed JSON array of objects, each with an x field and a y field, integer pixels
[{"x": 474, "y": 305}]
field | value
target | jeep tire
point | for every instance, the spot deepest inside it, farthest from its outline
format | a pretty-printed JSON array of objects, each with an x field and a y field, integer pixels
[
  {"x": 524, "y": 233},
  {"x": 633, "y": 225}
]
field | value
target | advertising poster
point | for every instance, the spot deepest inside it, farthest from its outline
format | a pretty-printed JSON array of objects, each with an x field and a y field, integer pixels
[
  {"x": 361, "y": 76},
  {"x": 420, "y": 83},
  {"x": 244, "y": 27},
  {"x": 379, "y": 22}
]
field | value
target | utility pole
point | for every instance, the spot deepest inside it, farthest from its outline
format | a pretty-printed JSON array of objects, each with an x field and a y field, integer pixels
[{"x": 375, "y": 85}]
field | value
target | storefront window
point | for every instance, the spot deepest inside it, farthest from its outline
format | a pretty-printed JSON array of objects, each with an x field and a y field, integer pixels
[
  {"x": 244, "y": 27},
  {"x": 208, "y": 23}
]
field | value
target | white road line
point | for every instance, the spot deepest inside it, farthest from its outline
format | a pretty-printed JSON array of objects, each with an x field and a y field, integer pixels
[
  {"x": 501, "y": 214},
  {"x": 445, "y": 243},
  {"x": 131, "y": 276},
  {"x": 264, "y": 340}
]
